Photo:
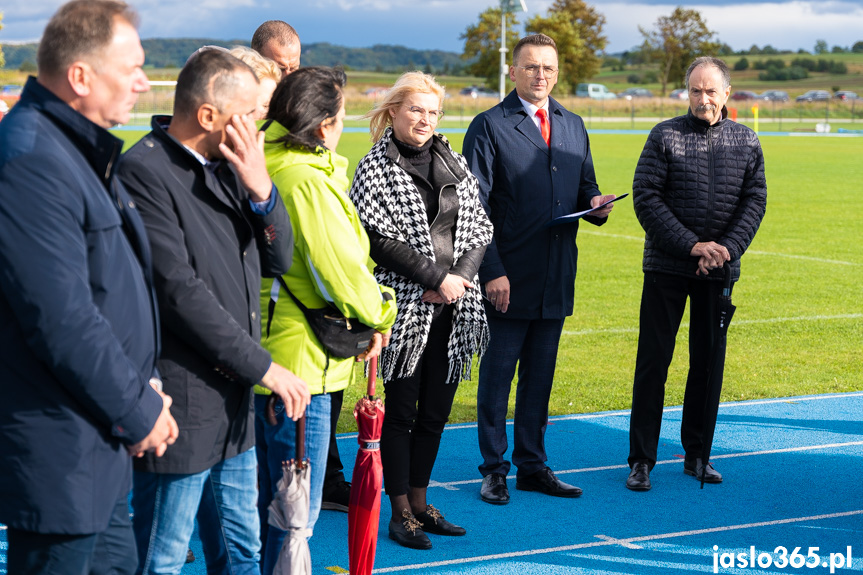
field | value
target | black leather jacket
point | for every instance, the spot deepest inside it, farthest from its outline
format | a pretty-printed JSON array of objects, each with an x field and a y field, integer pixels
[{"x": 439, "y": 196}]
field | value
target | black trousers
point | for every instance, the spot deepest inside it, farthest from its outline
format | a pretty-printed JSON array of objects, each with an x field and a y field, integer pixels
[
  {"x": 417, "y": 409},
  {"x": 111, "y": 552},
  {"x": 663, "y": 300}
]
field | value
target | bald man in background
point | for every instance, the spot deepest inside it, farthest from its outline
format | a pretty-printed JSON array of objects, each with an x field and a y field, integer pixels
[{"x": 279, "y": 42}]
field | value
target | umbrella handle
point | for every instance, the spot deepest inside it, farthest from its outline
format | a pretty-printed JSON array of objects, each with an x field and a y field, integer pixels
[
  {"x": 301, "y": 440},
  {"x": 373, "y": 376},
  {"x": 726, "y": 283}
]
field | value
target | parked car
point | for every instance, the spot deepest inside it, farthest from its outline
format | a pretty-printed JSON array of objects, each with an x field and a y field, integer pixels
[
  {"x": 376, "y": 92},
  {"x": 595, "y": 91},
  {"x": 846, "y": 95},
  {"x": 744, "y": 95},
  {"x": 631, "y": 93},
  {"x": 813, "y": 96},
  {"x": 774, "y": 96},
  {"x": 679, "y": 94},
  {"x": 478, "y": 92}
]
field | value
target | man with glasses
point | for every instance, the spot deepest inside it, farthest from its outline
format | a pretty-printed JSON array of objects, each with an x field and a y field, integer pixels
[{"x": 532, "y": 158}]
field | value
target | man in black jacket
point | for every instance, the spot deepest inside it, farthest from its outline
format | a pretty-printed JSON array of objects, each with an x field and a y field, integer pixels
[
  {"x": 216, "y": 224},
  {"x": 700, "y": 195},
  {"x": 78, "y": 328}
]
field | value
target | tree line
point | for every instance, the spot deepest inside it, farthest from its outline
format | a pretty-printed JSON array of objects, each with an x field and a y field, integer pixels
[
  {"x": 669, "y": 46},
  {"x": 173, "y": 52},
  {"x": 577, "y": 27}
]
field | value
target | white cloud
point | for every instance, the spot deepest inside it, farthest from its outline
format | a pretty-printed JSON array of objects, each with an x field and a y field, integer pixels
[
  {"x": 784, "y": 25},
  {"x": 437, "y": 23}
]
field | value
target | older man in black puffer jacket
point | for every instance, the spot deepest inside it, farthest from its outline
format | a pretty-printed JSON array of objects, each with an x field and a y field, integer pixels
[{"x": 700, "y": 195}]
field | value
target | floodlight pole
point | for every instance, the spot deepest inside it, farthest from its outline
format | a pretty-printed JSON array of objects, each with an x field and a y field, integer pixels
[
  {"x": 503, "y": 69},
  {"x": 506, "y": 7}
]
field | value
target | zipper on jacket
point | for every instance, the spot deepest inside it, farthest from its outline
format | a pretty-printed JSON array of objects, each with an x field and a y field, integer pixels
[
  {"x": 710, "y": 184},
  {"x": 324, "y": 375},
  {"x": 440, "y": 193}
]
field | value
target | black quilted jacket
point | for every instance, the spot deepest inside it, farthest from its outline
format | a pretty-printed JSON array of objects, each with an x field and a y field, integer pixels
[{"x": 695, "y": 182}]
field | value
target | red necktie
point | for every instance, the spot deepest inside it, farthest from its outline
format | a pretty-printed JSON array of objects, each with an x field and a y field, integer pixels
[{"x": 544, "y": 126}]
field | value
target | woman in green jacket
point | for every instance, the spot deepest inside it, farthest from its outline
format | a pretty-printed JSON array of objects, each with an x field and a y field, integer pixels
[{"x": 331, "y": 265}]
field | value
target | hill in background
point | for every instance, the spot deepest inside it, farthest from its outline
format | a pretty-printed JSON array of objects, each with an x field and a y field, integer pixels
[{"x": 173, "y": 52}]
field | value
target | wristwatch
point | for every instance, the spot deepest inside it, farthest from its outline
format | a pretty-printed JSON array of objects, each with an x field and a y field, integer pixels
[{"x": 156, "y": 383}]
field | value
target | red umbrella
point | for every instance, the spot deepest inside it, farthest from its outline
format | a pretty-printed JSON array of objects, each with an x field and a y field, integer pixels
[{"x": 364, "y": 509}]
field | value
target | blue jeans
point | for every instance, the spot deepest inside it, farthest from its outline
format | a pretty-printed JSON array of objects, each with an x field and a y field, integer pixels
[
  {"x": 110, "y": 552},
  {"x": 277, "y": 443},
  {"x": 165, "y": 505},
  {"x": 210, "y": 533},
  {"x": 532, "y": 344}
]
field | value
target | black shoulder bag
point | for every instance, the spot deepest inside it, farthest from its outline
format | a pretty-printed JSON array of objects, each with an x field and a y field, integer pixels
[{"x": 341, "y": 336}]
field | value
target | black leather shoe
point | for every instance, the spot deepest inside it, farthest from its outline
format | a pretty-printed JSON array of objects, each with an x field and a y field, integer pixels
[
  {"x": 697, "y": 469},
  {"x": 337, "y": 497},
  {"x": 494, "y": 489},
  {"x": 408, "y": 532},
  {"x": 433, "y": 522},
  {"x": 639, "y": 477},
  {"x": 544, "y": 481}
]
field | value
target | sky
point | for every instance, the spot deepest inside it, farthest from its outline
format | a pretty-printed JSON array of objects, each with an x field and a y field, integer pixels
[{"x": 437, "y": 24}]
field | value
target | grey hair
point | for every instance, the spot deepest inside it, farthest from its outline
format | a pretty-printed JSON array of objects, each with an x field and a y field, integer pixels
[{"x": 717, "y": 63}]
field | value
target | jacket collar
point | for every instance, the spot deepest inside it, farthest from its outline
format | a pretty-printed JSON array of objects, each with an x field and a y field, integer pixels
[
  {"x": 333, "y": 165},
  {"x": 440, "y": 148},
  {"x": 159, "y": 125},
  {"x": 512, "y": 106},
  {"x": 703, "y": 125},
  {"x": 98, "y": 145},
  {"x": 219, "y": 179}
]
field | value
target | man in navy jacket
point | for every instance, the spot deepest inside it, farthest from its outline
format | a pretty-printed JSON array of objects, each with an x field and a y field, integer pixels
[
  {"x": 532, "y": 158},
  {"x": 78, "y": 330}
]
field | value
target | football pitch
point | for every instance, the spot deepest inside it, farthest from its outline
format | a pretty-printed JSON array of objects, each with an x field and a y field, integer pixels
[{"x": 798, "y": 328}]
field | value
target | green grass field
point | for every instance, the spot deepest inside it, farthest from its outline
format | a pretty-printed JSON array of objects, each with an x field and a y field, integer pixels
[{"x": 798, "y": 328}]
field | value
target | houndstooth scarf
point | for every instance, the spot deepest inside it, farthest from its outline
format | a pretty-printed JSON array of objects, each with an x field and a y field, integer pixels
[{"x": 389, "y": 203}]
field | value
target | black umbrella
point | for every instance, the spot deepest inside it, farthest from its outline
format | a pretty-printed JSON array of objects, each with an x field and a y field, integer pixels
[{"x": 717, "y": 365}]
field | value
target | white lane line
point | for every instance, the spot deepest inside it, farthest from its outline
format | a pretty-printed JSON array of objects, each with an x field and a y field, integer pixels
[
  {"x": 738, "y": 323},
  {"x": 798, "y": 257},
  {"x": 620, "y": 542},
  {"x": 727, "y": 404},
  {"x": 608, "y": 543},
  {"x": 449, "y": 485},
  {"x": 753, "y": 252}
]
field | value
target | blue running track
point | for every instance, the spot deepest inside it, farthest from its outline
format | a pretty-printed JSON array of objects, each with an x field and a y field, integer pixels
[{"x": 792, "y": 469}]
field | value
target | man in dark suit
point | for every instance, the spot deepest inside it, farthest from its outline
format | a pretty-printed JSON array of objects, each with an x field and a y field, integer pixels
[
  {"x": 78, "y": 329},
  {"x": 216, "y": 224},
  {"x": 532, "y": 158}
]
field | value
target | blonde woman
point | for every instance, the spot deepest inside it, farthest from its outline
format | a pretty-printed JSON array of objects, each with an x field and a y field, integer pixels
[
  {"x": 428, "y": 231},
  {"x": 268, "y": 73}
]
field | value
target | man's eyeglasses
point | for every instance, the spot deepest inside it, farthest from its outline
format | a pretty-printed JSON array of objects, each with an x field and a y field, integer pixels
[
  {"x": 532, "y": 71},
  {"x": 433, "y": 116}
]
